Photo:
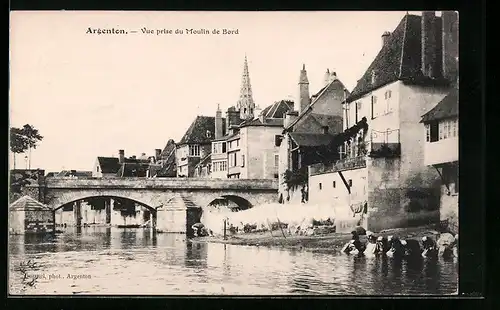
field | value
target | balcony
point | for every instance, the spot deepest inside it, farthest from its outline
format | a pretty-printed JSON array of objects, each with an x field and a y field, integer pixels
[
  {"x": 385, "y": 150},
  {"x": 384, "y": 144},
  {"x": 340, "y": 165},
  {"x": 442, "y": 151}
]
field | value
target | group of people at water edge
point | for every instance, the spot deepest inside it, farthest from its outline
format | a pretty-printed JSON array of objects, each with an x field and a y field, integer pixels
[{"x": 392, "y": 246}]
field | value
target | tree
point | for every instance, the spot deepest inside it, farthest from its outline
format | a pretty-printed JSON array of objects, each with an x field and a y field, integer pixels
[
  {"x": 18, "y": 142},
  {"x": 24, "y": 139}
]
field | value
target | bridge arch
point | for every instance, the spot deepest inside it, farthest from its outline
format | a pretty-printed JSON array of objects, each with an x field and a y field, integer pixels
[
  {"x": 240, "y": 202},
  {"x": 142, "y": 204}
]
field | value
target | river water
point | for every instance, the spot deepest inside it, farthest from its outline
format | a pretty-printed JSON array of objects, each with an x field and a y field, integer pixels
[{"x": 99, "y": 260}]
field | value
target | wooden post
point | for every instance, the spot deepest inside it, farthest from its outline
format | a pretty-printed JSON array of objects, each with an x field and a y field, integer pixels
[
  {"x": 225, "y": 236},
  {"x": 54, "y": 220}
]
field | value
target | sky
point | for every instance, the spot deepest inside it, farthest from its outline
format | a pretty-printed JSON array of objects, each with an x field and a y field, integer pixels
[{"x": 91, "y": 95}]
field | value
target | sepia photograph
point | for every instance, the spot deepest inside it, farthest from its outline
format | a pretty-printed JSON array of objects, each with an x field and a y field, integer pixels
[{"x": 188, "y": 153}]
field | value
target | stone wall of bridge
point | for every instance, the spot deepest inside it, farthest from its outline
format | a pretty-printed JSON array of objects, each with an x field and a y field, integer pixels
[{"x": 159, "y": 194}]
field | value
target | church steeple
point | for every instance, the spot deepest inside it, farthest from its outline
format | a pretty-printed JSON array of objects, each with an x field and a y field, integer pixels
[{"x": 246, "y": 105}]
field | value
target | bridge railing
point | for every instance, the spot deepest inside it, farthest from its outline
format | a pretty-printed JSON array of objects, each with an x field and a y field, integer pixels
[{"x": 190, "y": 183}]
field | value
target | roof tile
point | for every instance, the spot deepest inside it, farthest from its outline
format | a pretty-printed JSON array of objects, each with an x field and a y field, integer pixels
[
  {"x": 197, "y": 132},
  {"x": 399, "y": 59},
  {"x": 109, "y": 164}
]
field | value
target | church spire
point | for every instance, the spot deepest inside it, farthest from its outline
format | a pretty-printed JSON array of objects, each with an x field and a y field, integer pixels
[{"x": 246, "y": 105}]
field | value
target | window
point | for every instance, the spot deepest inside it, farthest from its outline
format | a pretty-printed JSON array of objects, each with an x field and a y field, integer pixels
[
  {"x": 223, "y": 147},
  {"x": 454, "y": 128},
  {"x": 209, "y": 134},
  {"x": 276, "y": 160},
  {"x": 277, "y": 140},
  {"x": 233, "y": 162},
  {"x": 320, "y": 186},
  {"x": 374, "y": 107},
  {"x": 243, "y": 160},
  {"x": 427, "y": 133},
  {"x": 388, "y": 95},
  {"x": 358, "y": 111},
  {"x": 350, "y": 183},
  {"x": 334, "y": 184},
  {"x": 325, "y": 129},
  {"x": 237, "y": 143},
  {"x": 97, "y": 168},
  {"x": 448, "y": 129},
  {"x": 194, "y": 150}
]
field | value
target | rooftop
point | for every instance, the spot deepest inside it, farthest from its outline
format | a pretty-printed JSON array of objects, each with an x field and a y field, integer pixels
[
  {"x": 399, "y": 59},
  {"x": 311, "y": 139},
  {"x": 278, "y": 109},
  {"x": 109, "y": 164},
  {"x": 66, "y": 173},
  {"x": 336, "y": 83},
  {"x": 270, "y": 122},
  {"x": 446, "y": 108},
  {"x": 28, "y": 203},
  {"x": 197, "y": 131},
  {"x": 168, "y": 148}
]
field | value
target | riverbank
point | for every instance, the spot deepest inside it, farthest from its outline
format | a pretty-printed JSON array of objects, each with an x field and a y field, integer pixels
[{"x": 328, "y": 242}]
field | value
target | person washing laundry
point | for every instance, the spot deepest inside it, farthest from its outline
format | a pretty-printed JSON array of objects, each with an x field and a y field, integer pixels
[
  {"x": 445, "y": 245},
  {"x": 429, "y": 247},
  {"x": 396, "y": 249},
  {"x": 199, "y": 230},
  {"x": 382, "y": 245},
  {"x": 354, "y": 246},
  {"x": 371, "y": 246}
]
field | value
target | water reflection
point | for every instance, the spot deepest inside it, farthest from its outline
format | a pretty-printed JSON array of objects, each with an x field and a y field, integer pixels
[
  {"x": 123, "y": 261},
  {"x": 196, "y": 255}
]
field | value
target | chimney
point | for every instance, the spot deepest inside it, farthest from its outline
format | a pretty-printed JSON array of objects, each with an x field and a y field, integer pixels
[
  {"x": 385, "y": 37},
  {"x": 289, "y": 118},
  {"x": 218, "y": 123},
  {"x": 232, "y": 129},
  {"x": 327, "y": 77},
  {"x": 121, "y": 156},
  {"x": 257, "y": 111},
  {"x": 450, "y": 45},
  {"x": 304, "y": 98},
  {"x": 232, "y": 117},
  {"x": 157, "y": 154},
  {"x": 431, "y": 60},
  {"x": 333, "y": 76}
]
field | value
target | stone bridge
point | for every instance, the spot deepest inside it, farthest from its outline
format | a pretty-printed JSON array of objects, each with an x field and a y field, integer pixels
[{"x": 157, "y": 194}]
